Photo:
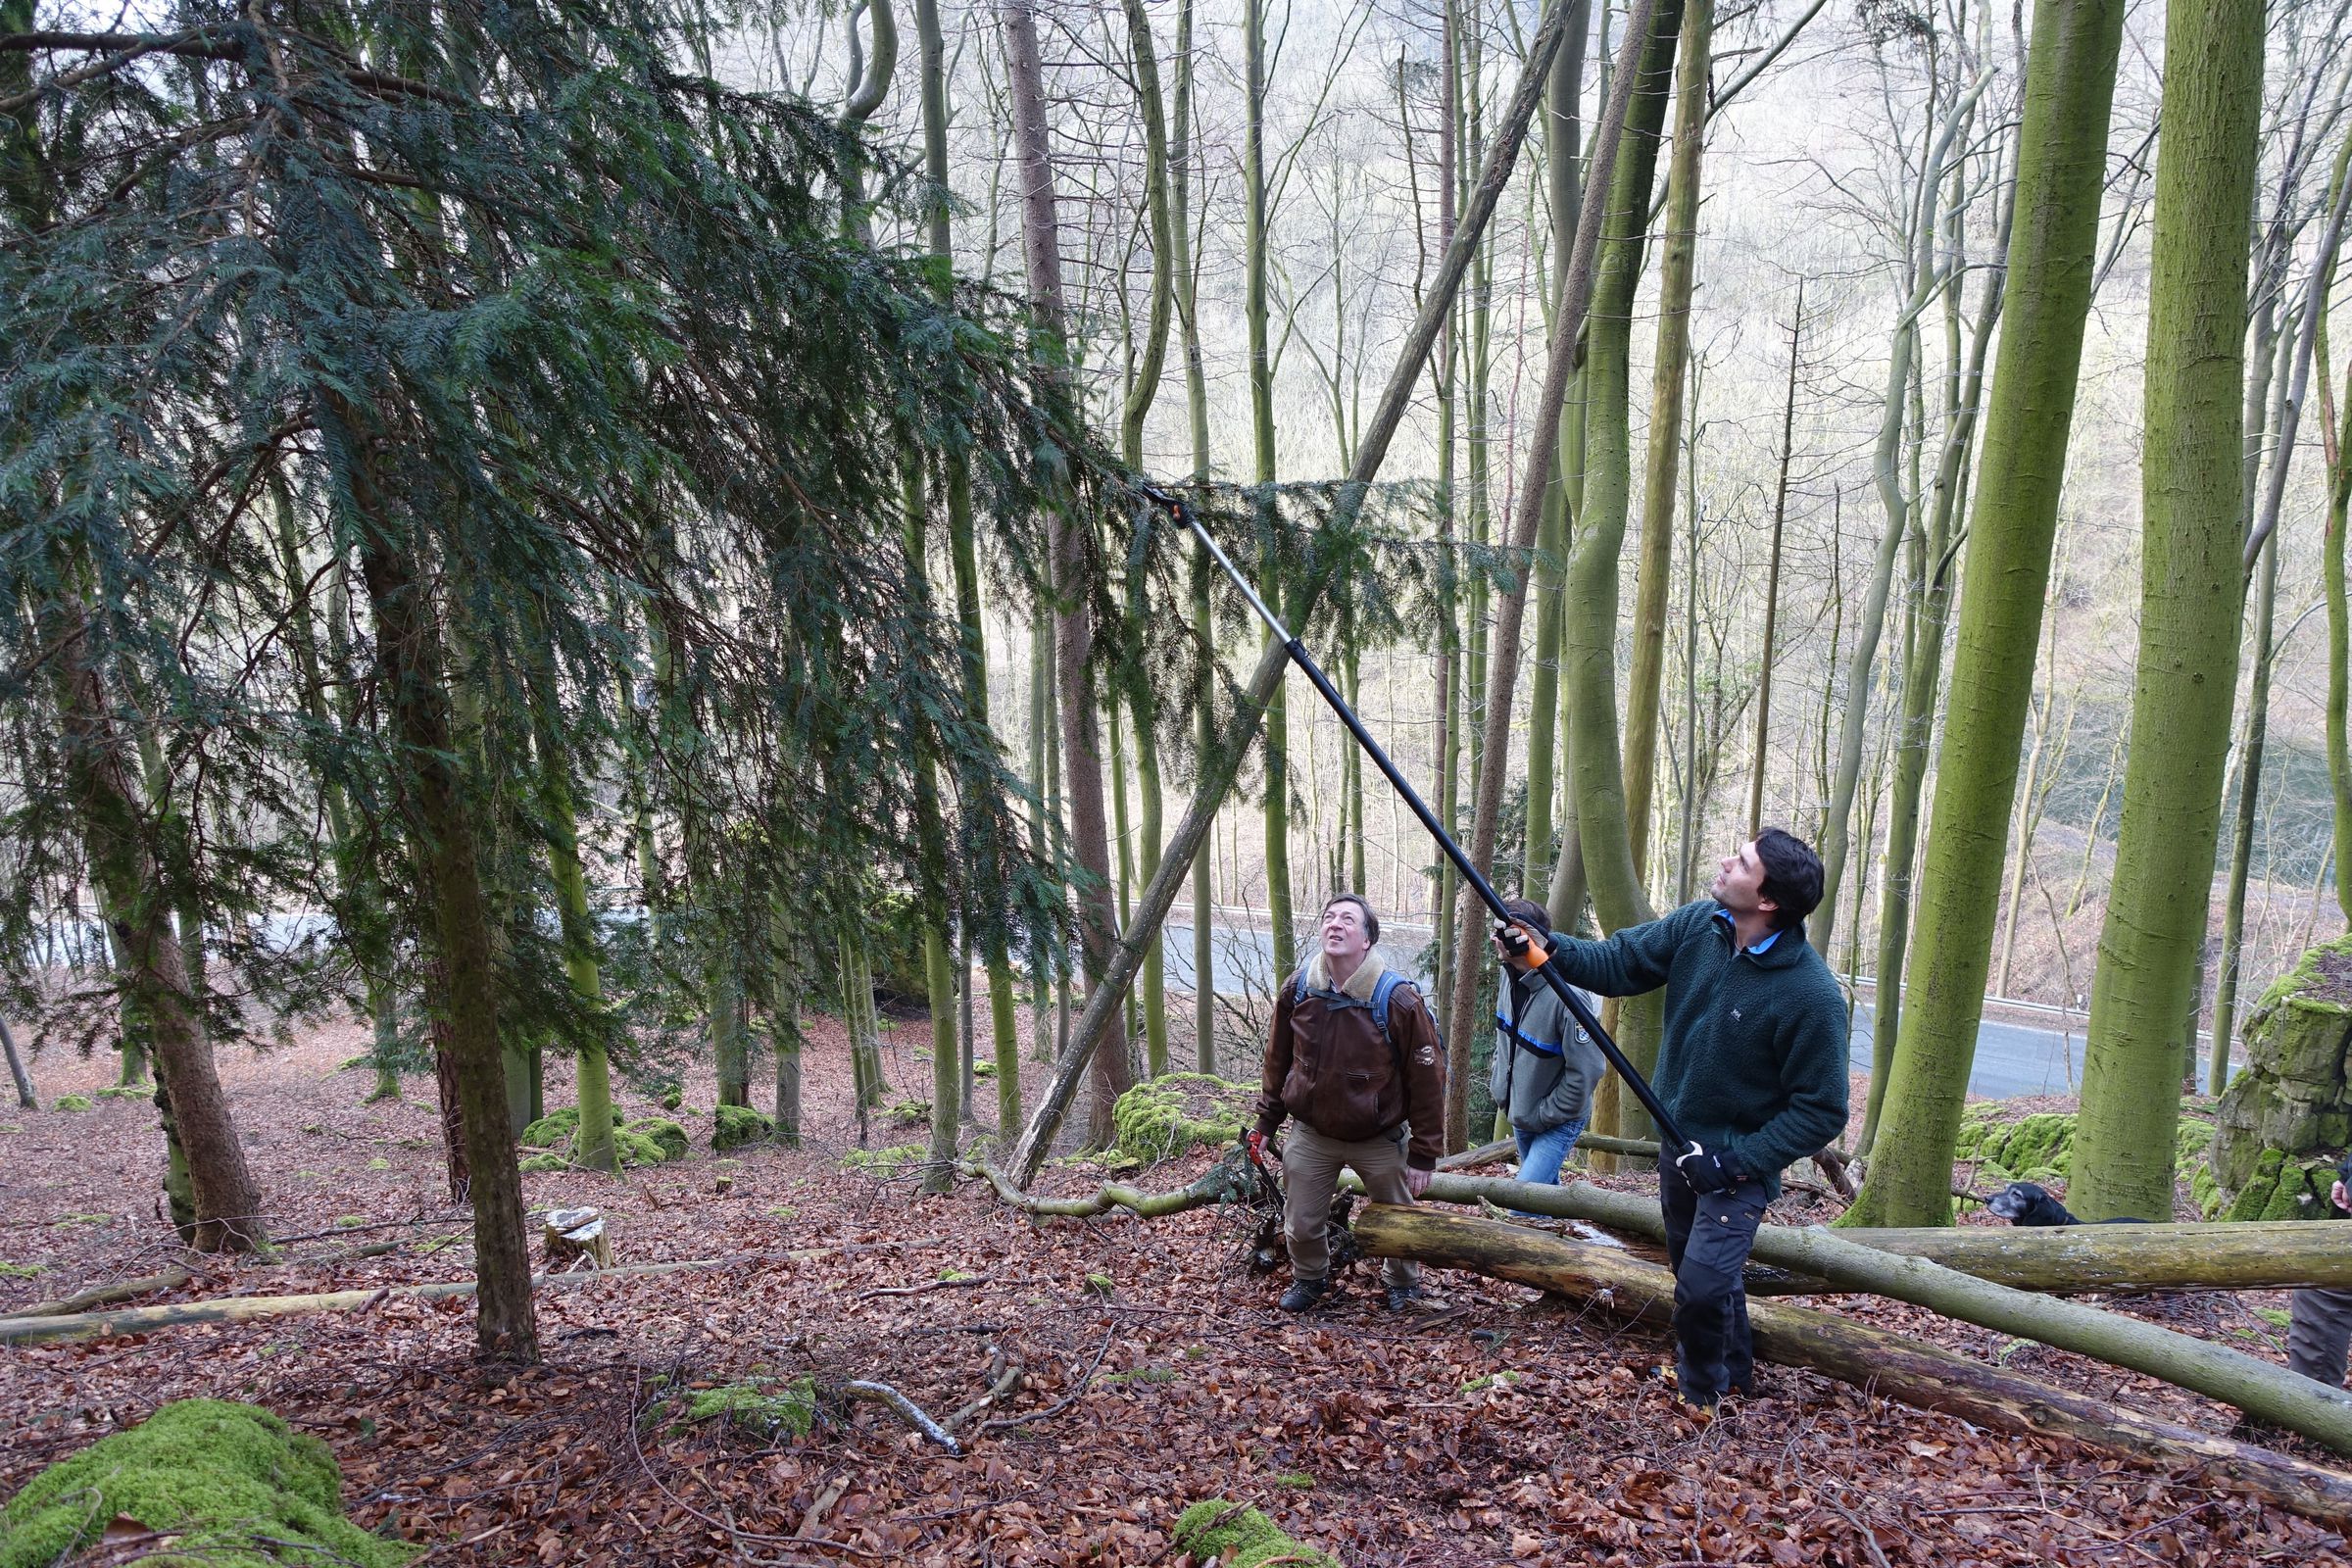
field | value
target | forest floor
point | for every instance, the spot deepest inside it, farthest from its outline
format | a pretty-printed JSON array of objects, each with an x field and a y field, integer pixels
[{"x": 1488, "y": 1428}]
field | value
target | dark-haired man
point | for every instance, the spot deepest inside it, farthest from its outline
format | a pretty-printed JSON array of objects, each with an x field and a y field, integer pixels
[
  {"x": 1353, "y": 1060},
  {"x": 1751, "y": 1065}
]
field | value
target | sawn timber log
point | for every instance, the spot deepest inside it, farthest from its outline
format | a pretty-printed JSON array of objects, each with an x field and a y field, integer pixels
[{"x": 1631, "y": 1291}]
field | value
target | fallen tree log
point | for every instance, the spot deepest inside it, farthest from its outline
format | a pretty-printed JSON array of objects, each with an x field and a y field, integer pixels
[
  {"x": 247, "y": 1309},
  {"x": 1222, "y": 1183},
  {"x": 168, "y": 1279},
  {"x": 1631, "y": 1291},
  {"x": 2125, "y": 1259},
  {"x": 2261, "y": 1389},
  {"x": 2057, "y": 1260}
]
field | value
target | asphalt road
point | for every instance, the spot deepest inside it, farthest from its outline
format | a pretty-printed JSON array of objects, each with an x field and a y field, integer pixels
[{"x": 2011, "y": 1059}]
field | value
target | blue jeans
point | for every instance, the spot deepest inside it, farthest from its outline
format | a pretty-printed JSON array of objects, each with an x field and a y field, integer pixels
[{"x": 1541, "y": 1154}]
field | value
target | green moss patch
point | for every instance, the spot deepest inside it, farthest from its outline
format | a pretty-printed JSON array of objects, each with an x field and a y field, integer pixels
[
  {"x": 2038, "y": 1148},
  {"x": 734, "y": 1126},
  {"x": 760, "y": 1407},
  {"x": 1214, "y": 1530},
  {"x": 665, "y": 1134},
  {"x": 884, "y": 1161},
  {"x": 2282, "y": 1186},
  {"x": 228, "y": 1485},
  {"x": 73, "y": 1103},
  {"x": 1163, "y": 1118},
  {"x": 126, "y": 1092},
  {"x": 555, "y": 1131}
]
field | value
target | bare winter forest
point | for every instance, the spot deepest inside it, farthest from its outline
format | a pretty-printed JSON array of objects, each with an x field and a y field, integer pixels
[{"x": 685, "y": 688}]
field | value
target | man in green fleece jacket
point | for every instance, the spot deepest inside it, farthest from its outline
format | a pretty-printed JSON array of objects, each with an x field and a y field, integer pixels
[{"x": 1751, "y": 1065}]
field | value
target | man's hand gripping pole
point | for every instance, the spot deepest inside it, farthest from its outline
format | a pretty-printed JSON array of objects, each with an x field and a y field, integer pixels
[{"x": 1182, "y": 511}]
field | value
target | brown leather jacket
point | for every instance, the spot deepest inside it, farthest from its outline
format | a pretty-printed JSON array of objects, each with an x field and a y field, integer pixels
[{"x": 1329, "y": 1067}]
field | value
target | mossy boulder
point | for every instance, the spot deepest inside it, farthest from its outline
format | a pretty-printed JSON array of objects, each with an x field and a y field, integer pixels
[
  {"x": 733, "y": 1126},
  {"x": 1163, "y": 1117},
  {"x": 1216, "y": 1531},
  {"x": 73, "y": 1103},
  {"x": 663, "y": 1133},
  {"x": 554, "y": 1131},
  {"x": 2286, "y": 1118},
  {"x": 228, "y": 1485}
]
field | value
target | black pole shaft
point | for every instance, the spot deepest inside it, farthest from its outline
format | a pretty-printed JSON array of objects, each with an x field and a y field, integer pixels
[{"x": 1299, "y": 656}]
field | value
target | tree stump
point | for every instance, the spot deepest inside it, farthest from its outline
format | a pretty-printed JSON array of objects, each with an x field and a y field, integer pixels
[{"x": 575, "y": 1238}]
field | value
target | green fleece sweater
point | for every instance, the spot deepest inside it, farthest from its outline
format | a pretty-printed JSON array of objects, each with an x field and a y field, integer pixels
[{"x": 1753, "y": 1058}]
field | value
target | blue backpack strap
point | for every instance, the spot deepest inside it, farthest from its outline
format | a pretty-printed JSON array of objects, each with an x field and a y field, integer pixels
[{"x": 1382, "y": 988}]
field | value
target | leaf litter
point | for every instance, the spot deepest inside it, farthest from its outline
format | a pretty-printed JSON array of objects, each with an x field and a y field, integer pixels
[{"x": 1497, "y": 1428}]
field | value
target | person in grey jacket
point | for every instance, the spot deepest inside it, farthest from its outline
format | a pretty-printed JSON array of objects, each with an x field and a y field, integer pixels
[
  {"x": 1546, "y": 1066},
  {"x": 2318, "y": 1330}
]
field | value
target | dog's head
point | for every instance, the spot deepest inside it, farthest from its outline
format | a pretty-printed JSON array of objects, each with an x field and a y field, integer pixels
[{"x": 2028, "y": 1203}]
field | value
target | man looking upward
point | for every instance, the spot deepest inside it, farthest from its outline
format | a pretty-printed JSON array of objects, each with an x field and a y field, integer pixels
[
  {"x": 1751, "y": 1065},
  {"x": 1352, "y": 1060}
]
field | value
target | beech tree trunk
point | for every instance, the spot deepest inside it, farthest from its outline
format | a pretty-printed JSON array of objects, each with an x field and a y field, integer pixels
[
  {"x": 1279, "y": 907},
  {"x": 995, "y": 947},
  {"x": 1612, "y": 859},
  {"x": 2192, "y": 592},
  {"x": 1074, "y": 632},
  {"x": 1562, "y": 147},
  {"x": 1678, "y": 281},
  {"x": 2062, "y": 160}
]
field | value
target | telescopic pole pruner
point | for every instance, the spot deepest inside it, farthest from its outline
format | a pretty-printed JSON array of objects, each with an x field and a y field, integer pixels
[{"x": 1672, "y": 1135}]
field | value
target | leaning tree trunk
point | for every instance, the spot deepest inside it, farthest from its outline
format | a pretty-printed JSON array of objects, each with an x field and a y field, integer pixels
[
  {"x": 1221, "y": 761},
  {"x": 2070, "y": 87},
  {"x": 1613, "y": 859},
  {"x": 1888, "y": 1364},
  {"x": 2192, "y": 592},
  {"x": 16, "y": 1069},
  {"x": 138, "y": 913},
  {"x": 409, "y": 671},
  {"x": 1072, "y": 568}
]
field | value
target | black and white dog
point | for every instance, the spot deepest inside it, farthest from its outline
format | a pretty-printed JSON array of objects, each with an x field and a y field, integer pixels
[{"x": 2031, "y": 1203}]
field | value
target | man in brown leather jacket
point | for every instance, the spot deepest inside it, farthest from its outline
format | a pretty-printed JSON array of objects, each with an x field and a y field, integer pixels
[{"x": 1364, "y": 1097}]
